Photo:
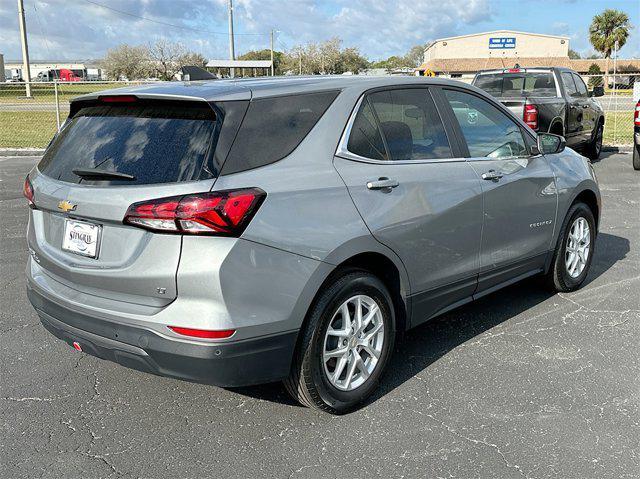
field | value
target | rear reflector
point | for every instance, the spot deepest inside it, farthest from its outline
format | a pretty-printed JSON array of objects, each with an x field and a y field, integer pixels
[
  {"x": 218, "y": 213},
  {"x": 203, "y": 333},
  {"x": 530, "y": 116},
  {"x": 27, "y": 191},
  {"x": 117, "y": 98}
]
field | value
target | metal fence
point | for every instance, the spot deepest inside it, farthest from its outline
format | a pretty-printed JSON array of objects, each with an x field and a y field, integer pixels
[{"x": 31, "y": 122}]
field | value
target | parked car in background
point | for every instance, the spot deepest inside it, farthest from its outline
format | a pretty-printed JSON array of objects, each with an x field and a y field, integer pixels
[
  {"x": 553, "y": 100},
  {"x": 242, "y": 232},
  {"x": 636, "y": 137}
]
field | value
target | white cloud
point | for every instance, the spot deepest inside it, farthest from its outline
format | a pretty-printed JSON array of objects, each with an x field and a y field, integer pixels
[{"x": 81, "y": 30}]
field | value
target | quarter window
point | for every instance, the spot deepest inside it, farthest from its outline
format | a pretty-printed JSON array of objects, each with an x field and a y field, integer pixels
[{"x": 488, "y": 132}]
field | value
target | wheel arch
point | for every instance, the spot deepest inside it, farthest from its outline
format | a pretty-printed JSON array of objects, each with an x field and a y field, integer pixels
[
  {"x": 556, "y": 126},
  {"x": 369, "y": 255},
  {"x": 589, "y": 197}
]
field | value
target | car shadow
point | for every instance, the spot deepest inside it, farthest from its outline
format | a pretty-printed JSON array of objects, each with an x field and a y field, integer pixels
[
  {"x": 606, "y": 153},
  {"x": 422, "y": 346}
]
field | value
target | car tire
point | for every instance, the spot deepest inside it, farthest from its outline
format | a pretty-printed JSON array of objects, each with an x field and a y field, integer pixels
[
  {"x": 570, "y": 264},
  {"x": 636, "y": 157},
  {"x": 312, "y": 381},
  {"x": 594, "y": 148}
]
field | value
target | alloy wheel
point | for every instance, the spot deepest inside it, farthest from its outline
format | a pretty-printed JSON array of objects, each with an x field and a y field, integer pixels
[
  {"x": 578, "y": 247},
  {"x": 353, "y": 343}
]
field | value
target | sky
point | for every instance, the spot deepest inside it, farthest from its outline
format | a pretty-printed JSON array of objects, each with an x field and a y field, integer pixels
[{"x": 86, "y": 29}]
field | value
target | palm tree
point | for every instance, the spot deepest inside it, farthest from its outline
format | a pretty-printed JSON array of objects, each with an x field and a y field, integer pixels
[{"x": 606, "y": 29}]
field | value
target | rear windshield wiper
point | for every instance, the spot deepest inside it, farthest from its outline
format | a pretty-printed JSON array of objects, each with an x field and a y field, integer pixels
[{"x": 97, "y": 174}]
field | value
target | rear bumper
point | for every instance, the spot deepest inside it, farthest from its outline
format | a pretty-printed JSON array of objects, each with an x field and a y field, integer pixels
[{"x": 230, "y": 364}]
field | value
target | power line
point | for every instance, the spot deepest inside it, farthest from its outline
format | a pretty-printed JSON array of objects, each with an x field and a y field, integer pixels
[{"x": 166, "y": 24}]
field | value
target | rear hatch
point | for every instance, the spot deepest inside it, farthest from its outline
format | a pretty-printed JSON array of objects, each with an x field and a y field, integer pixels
[{"x": 113, "y": 152}]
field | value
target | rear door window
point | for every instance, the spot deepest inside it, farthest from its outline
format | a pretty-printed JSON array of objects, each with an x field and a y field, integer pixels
[
  {"x": 411, "y": 124},
  {"x": 274, "y": 127},
  {"x": 580, "y": 86},
  {"x": 156, "y": 142},
  {"x": 569, "y": 85},
  {"x": 365, "y": 139}
]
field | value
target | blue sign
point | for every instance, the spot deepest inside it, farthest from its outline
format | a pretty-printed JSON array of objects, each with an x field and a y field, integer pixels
[{"x": 502, "y": 42}]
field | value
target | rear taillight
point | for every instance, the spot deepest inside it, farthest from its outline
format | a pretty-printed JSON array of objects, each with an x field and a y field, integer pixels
[
  {"x": 530, "y": 116},
  {"x": 203, "y": 333},
  {"x": 636, "y": 115},
  {"x": 220, "y": 213},
  {"x": 27, "y": 191}
]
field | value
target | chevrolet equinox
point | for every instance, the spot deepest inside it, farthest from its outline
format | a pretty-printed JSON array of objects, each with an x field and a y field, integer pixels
[{"x": 243, "y": 232}]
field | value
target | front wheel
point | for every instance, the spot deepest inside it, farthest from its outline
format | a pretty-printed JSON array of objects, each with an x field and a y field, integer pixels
[
  {"x": 345, "y": 345},
  {"x": 574, "y": 251}
]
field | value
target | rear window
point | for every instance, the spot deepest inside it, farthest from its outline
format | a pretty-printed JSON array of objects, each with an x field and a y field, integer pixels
[
  {"x": 274, "y": 127},
  {"x": 156, "y": 142},
  {"x": 517, "y": 85}
]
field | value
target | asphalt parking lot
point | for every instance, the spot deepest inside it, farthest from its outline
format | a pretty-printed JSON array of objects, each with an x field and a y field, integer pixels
[{"x": 521, "y": 384}]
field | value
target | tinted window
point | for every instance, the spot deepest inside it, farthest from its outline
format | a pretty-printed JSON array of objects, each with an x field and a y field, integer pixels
[
  {"x": 518, "y": 85},
  {"x": 487, "y": 130},
  {"x": 410, "y": 124},
  {"x": 365, "y": 139},
  {"x": 154, "y": 142},
  {"x": 569, "y": 85},
  {"x": 274, "y": 127},
  {"x": 580, "y": 86}
]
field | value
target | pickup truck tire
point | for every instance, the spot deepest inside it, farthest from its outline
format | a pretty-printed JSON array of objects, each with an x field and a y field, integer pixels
[
  {"x": 560, "y": 278},
  {"x": 594, "y": 148},
  {"x": 636, "y": 157}
]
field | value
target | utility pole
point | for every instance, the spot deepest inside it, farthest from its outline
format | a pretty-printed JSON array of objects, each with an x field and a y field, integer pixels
[
  {"x": 26, "y": 72},
  {"x": 272, "y": 68},
  {"x": 232, "y": 55}
]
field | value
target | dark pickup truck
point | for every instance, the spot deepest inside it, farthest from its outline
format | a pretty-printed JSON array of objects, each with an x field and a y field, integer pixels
[{"x": 553, "y": 100}]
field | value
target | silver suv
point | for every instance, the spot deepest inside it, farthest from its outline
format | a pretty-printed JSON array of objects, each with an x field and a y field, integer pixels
[{"x": 242, "y": 232}]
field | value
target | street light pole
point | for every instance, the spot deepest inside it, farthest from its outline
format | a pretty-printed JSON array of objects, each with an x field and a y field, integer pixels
[
  {"x": 26, "y": 72},
  {"x": 272, "y": 68},
  {"x": 232, "y": 55}
]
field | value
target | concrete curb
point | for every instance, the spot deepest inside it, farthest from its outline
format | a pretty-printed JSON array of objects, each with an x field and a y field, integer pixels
[{"x": 21, "y": 151}]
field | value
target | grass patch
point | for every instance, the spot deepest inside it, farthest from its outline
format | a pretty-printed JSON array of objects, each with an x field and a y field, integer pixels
[
  {"x": 618, "y": 128},
  {"x": 44, "y": 92},
  {"x": 34, "y": 129},
  {"x": 27, "y": 129}
]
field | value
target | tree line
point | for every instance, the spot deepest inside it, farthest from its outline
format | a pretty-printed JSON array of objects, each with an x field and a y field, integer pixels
[{"x": 163, "y": 59}]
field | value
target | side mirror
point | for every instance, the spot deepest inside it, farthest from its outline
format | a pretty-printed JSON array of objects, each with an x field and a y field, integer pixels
[
  {"x": 597, "y": 91},
  {"x": 549, "y": 143}
]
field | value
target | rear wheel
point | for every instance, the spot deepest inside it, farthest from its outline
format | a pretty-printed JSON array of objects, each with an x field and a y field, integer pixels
[
  {"x": 594, "y": 148},
  {"x": 636, "y": 157},
  {"x": 345, "y": 345},
  {"x": 574, "y": 251}
]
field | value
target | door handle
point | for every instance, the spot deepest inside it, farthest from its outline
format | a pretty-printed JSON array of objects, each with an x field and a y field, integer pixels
[
  {"x": 382, "y": 183},
  {"x": 492, "y": 175}
]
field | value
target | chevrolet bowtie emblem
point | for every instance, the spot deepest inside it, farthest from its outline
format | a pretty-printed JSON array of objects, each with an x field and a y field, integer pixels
[{"x": 66, "y": 206}]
